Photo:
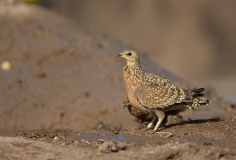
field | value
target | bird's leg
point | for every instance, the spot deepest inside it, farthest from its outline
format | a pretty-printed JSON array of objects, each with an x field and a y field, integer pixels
[
  {"x": 151, "y": 124},
  {"x": 154, "y": 119},
  {"x": 161, "y": 115}
]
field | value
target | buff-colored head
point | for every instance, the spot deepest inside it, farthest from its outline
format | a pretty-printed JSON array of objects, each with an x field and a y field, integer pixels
[{"x": 130, "y": 56}]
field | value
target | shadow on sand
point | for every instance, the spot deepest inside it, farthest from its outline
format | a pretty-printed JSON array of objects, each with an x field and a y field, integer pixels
[{"x": 197, "y": 121}]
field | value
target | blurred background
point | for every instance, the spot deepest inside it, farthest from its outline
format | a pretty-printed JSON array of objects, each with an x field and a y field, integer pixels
[{"x": 195, "y": 40}]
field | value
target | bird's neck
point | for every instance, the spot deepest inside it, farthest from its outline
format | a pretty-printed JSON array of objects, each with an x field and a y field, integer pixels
[
  {"x": 135, "y": 69},
  {"x": 132, "y": 63}
]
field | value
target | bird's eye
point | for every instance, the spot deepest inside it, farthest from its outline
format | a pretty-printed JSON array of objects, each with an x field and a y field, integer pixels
[{"x": 129, "y": 54}]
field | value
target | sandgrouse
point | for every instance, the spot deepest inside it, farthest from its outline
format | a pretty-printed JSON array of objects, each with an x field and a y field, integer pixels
[
  {"x": 151, "y": 93},
  {"x": 147, "y": 115}
]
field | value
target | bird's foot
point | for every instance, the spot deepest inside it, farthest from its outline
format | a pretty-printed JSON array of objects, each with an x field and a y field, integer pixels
[{"x": 149, "y": 127}]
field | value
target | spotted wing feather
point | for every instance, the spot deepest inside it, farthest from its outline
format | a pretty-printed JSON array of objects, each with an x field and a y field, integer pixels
[{"x": 159, "y": 93}]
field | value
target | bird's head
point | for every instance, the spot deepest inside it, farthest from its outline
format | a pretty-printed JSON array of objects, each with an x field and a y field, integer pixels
[{"x": 130, "y": 56}]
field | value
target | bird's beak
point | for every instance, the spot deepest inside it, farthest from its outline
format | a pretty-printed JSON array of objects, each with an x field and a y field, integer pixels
[{"x": 119, "y": 55}]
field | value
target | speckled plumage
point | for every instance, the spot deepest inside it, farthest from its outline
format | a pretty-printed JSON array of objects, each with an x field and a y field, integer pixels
[
  {"x": 147, "y": 115},
  {"x": 151, "y": 93}
]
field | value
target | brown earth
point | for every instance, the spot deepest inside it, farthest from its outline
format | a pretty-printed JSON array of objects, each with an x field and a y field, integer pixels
[{"x": 64, "y": 88}]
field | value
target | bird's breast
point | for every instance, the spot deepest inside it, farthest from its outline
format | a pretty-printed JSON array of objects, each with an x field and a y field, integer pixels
[{"x": 131, "y": 82}]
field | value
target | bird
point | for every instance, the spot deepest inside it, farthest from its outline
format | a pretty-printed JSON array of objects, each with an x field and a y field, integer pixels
[
  {"x": 146, "y": 115},
  {"x": 149, "y": 93}
]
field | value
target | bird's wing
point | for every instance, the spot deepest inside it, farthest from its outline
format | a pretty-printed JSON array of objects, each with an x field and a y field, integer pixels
[{"x": 159, "y": 93}]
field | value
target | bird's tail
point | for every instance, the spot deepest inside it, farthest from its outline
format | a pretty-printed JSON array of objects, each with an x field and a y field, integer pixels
[{"x": 198, "y": 99}]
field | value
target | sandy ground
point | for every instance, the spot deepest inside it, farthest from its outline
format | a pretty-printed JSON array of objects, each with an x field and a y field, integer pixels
[{"x": 61, "y": 98}]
